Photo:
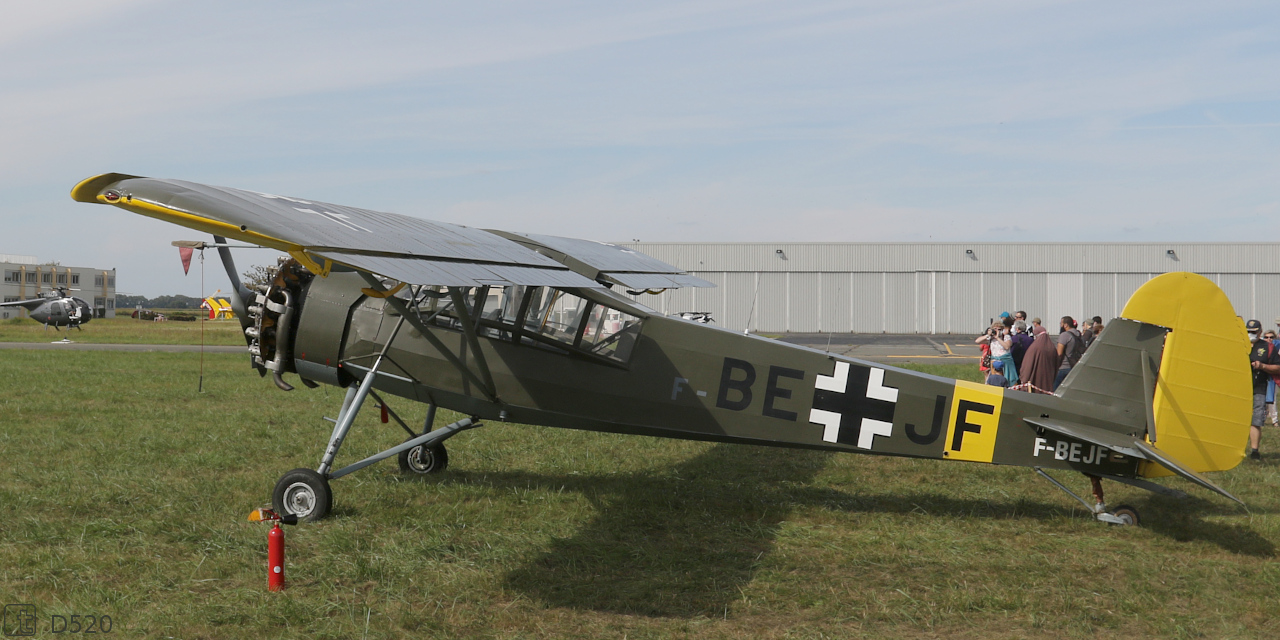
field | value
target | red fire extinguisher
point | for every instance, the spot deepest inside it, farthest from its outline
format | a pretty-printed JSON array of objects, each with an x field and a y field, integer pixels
[
  {"x": 275, "y": 545},
  {"x": 275, "y": 559}
]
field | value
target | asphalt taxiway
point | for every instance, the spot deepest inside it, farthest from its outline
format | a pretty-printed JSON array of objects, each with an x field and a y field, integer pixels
[{"x": 86, "y": 346}]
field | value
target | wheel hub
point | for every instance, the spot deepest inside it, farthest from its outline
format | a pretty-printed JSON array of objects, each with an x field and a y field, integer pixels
[
  {"x": 300, "y": 499},
  {"x": 421, "y": 459}
]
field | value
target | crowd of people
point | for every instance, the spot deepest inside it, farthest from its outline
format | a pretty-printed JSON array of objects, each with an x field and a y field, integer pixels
[{"x": 1022, "y": 356}]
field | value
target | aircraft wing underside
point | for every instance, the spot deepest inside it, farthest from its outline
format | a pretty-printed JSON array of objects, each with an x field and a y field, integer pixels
[
  {"x": 607, "y": 262},
  {"x": 403, "y": 248}
]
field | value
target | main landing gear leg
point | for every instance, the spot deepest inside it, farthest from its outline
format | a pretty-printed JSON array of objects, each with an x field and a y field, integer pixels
[
  {"x": 306, "y": 493},
  {"x": 1121, "y": 515}
]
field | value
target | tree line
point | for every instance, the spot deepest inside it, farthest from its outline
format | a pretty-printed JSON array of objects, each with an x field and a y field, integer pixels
[
  {"x": 254, "y": 275},
  {"x": 159, "y": 302}
]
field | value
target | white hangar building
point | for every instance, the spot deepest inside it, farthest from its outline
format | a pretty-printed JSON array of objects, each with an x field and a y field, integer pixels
[{"x": 940, "y": 288}]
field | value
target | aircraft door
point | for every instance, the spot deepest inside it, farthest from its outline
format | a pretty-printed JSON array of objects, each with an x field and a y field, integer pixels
[{"x": 58, "y": 311}]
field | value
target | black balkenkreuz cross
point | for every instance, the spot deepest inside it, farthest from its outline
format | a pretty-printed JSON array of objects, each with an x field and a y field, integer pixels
[{"x": 853, "y": 405}]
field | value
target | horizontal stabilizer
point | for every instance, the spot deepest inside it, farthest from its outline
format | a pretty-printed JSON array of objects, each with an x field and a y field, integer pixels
[
  {"x": 1128, "y": 445},
  {"x": 1123, "y": 443},
  {"x": 1169, "y": 463},
  {"x": 1147, "y": 485}
]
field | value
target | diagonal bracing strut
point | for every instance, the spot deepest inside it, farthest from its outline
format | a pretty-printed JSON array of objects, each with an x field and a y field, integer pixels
[
  {"x": 351, "y": 405},
  {"x": 405, "y": 314},
  {"x": 426, "y": 440}
]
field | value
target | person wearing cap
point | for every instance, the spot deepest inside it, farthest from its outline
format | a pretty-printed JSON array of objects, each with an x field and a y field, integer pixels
[
  {"x": 1264, "y": 359},
  {"x": 996, "y": 377}
]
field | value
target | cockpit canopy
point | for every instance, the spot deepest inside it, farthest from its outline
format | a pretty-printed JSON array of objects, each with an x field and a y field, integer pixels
[{"x": 545, "y": 317}]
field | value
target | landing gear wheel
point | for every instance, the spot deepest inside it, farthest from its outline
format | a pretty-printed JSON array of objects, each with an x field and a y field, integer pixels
[
  {"x": 304, "y": 493},
  {"x": 1128, "y": 514},
  {"x": 423, "y": 460}
]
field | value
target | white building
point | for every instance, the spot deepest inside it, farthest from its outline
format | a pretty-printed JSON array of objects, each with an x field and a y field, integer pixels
[
  {"x": 945, "y": 287},
  {"x": 26, "y": 278}
]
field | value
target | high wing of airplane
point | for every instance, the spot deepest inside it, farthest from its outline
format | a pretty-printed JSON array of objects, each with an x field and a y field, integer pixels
[
  {"x": 530, "y": 329},
  {"x": 56, "y": 309}
]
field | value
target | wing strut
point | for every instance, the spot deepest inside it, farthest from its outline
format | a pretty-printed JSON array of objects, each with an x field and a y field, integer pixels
[
  {"x": 416, "y": 321},
  {"x": 351, "y": 405},
  {"x": 469, "y": 330}
]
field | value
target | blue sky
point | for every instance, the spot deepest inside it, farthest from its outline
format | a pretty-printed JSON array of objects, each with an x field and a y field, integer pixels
[{"x": 664, "y": 121}]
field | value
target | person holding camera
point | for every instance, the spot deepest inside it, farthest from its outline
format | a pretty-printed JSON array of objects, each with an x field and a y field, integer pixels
[{"x": 1001, "y": 343}]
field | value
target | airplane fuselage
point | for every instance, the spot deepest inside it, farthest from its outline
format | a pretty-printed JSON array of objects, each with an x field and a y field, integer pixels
[{"x": 688, "y": 380}]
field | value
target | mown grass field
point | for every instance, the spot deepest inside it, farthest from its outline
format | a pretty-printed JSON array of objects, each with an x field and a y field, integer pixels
[
  {"x": 126, "y": 330},
  {"x": 124, "y": 492}
]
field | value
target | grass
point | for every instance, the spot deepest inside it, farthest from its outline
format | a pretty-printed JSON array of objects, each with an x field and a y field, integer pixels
[
  {"x": 125, "y": 493},
  {"x": 125, "y": 330}
]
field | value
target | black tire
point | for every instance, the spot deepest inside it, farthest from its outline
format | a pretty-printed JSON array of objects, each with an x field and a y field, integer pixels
[
  {"x": 303, "y": 492},
  {"x": 421, "y": 460},
  {"x": 1128, "y": 514}
]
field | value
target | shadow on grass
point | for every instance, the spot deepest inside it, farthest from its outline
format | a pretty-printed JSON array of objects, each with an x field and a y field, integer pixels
[
  {"x": 682, "y": 542},
  {"x": 1183, "y": 521},
  {"x": 677, "y": 543}
]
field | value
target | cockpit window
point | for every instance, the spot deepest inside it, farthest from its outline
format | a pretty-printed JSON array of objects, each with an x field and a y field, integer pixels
[
  {"x": 539, "y": 316},
  {"x": 610, "y": 333},
  {"x": 556, "y": 315}
]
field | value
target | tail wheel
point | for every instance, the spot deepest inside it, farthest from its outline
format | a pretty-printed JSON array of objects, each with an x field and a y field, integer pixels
[
  {"x": 424, "y": 460},
  {"x": 1127, "y": 514},
  {"x": 304, "y": 493}
]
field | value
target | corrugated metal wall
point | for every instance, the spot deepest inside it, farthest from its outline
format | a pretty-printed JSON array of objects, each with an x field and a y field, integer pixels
[{"x": 945, "y": 287}]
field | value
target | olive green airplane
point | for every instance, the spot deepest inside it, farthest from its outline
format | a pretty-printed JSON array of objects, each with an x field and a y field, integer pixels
[{"x": 532, "y": 329}]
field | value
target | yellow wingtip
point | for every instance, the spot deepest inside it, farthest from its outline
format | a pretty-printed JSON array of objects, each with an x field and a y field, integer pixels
[{"x": 87, "y": 190}]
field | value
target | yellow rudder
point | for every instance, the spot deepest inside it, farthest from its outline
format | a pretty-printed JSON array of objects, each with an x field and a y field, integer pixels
[{"x": 1204, "y": 393}]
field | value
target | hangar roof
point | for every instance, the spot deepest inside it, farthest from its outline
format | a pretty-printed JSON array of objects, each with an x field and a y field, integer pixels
[{"x": 1048, "y": 257}]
